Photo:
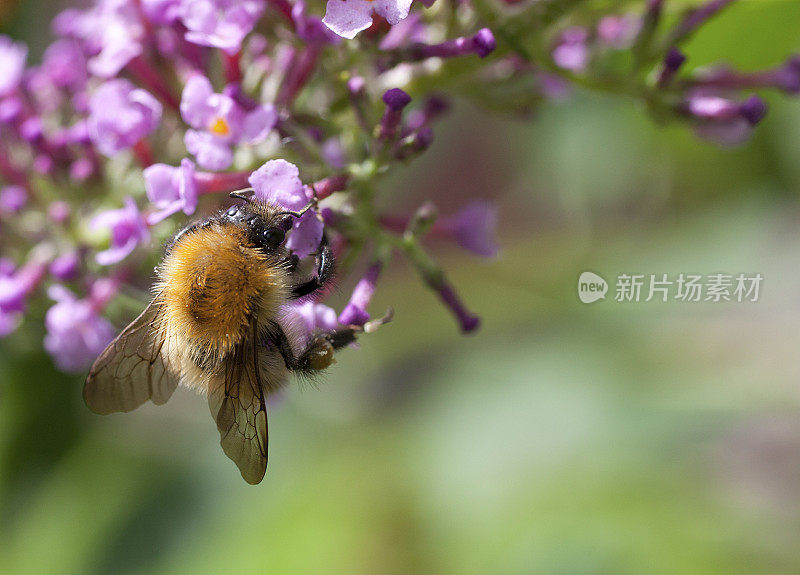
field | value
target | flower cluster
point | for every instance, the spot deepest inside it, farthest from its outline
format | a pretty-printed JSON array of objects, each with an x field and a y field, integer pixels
[
  {"x": 143, "y": 113},
  {"x": 718, "y": 102}
]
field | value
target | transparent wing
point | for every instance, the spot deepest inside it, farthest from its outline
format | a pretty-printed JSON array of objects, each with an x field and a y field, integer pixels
[
  {"x": 238, "y": 407},
  {"x": 132, "y": 369}
]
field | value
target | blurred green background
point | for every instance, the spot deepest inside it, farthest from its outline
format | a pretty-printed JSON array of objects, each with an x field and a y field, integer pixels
[{"x": 562, "y": 438}]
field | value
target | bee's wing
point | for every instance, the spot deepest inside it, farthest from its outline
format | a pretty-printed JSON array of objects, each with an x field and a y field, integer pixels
[
  {"x": 132, "y": 369},
  {"x": 238, "y": 407}
]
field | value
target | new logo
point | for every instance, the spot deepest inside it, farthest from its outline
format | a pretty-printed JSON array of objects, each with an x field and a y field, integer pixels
[{"x": 591, "y": 287}]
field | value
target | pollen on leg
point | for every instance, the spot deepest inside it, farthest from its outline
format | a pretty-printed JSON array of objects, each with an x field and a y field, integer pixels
[{"x": 321, "y": 356}]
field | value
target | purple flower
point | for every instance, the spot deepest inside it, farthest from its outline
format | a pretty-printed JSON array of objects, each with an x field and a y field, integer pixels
[
  {"x": 278, "y": 181},
  {"x": 310, "y": 28},
  {"x": 672, "y": 63},
  {"x": 81, "y": 169},
  {"x": 474, "y": 227},
  {"x": 349, "y": 17},
  {"x": 12, "y": 64},
  {"x": 161, "y": 12},
  {"x": 434, "y": 107},
  {"x": 11, "y": 318},
  {"x": 16, "y": 285},
  {"x": 710, "y": 107},
  {"x": 219, "y": 122},
  {"x": 334, "y": 153},
  {"x": 312, "y": 316},
  {"x": 482, "y": 43},
  {"x": 76, "y": 332},
  {"x": 618, "y": 32},
  {"x": 468, "y": 321},
  {"x": 128, "y": 229},
  {"x": 355, "y": 312},
  {"x": 220, "y": 23},
  {"x": 396, "y": 100},
  {"x": 725, "y": 121},
  {"x": 171, "y": 189},
  {"x": 785, "y": 77},
  {"x": 113, "y": 30},
  {"x": 553, "y": 86},
  {"x": 10, "y": 109},
  {"x": 120, "y": 115},
  {"x": 12, "y": 199},
  {"x": 572, "y": 53},
  {"x": 32, "y": 129},
  {"x": 65, "y": 64},
  {"x": 65, "y": 267},
  {"x": 9, "y": 322}
]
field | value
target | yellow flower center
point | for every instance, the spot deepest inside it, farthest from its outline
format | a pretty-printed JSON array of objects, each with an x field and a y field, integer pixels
[{"x": 220, "y": 127}]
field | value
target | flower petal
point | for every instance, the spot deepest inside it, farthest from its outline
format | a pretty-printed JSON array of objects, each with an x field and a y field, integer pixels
[
  {"x": 393, "y": 10},
  {"x": 348, "y": 17},
  {"x": 279, "y": 181},
  {"x": 194, "y": 102},
  {"x": 258, "y": 123},
  {"x": 210, "y": 152},
  {"x": 306, "y": 235}
]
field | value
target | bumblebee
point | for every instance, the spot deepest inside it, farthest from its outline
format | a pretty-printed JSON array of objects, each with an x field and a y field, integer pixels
[{"x": 215, "y": 325}]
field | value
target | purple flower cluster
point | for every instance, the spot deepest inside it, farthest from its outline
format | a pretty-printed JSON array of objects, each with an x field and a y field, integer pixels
[
  {"x": 143, "y": 112},
  {"x": 715, "y": 100}
]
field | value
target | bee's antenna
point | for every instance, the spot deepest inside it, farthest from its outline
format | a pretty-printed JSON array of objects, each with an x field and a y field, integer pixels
[
  {"x": 244, "y": 194},
  {"x": 311, "y": 204}
]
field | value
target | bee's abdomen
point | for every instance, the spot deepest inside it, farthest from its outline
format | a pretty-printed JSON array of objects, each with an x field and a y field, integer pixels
[{"x": 213, "y": 282}]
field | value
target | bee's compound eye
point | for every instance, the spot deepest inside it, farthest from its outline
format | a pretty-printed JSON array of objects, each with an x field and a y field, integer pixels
[
  {"x": 232, "y": 211},
  {"x": 273, "y": 237}
]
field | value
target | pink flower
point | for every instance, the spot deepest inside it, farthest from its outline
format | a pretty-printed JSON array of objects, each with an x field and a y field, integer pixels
[
  {"x": 171, "y": 189},
  {"x": 222, "y": 24},
  {"x": 128, "y": 230},
  {"x": 120, "y": 115},
  {"x": 314, "y": 317},
  {"x": 219, "y": 123},
  {"x": 473, "y": 227},
  {"x": 349, "y": 17},
  {"x": 76, "y": 332},
  {"x": 572, "y": 53},
  {"x": 12, "y": 64}
]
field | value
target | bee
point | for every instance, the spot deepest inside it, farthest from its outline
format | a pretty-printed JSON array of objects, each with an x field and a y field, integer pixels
[{"x": 215, "y": 325}]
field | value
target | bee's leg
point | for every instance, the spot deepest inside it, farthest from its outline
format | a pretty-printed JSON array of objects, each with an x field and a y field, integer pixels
[
  {"x": 318, "y": 354},
  {"x": 324, "y": 273}
]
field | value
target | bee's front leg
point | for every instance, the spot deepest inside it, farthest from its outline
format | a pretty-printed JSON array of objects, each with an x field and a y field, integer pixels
[{"x": 325, "y": 266}]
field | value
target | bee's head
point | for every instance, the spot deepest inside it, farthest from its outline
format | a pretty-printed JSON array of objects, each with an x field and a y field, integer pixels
[{"x": 266, "y": 224}]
